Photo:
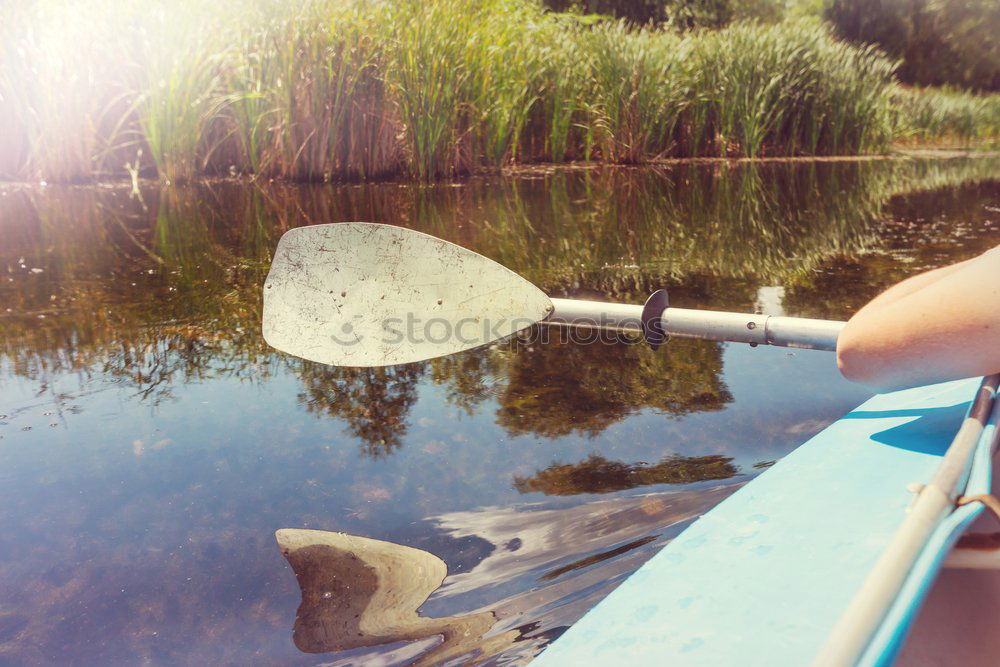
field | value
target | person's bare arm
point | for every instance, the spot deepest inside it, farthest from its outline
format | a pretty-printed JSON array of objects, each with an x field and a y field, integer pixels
[
  {"x": 911, "y": 285},
  {"x": 940, "y": 325}
]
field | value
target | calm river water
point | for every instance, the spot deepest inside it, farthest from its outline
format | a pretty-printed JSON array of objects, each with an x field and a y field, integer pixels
[{"x": 151, "y": 443}]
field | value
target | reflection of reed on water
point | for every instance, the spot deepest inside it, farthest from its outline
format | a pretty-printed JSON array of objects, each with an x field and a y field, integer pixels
[
  {"x": 920, "y": 231},
  {"x": 165, "y": 289}
]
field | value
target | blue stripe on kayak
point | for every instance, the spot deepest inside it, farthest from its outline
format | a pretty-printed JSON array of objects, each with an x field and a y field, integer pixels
[{"x": 763, "y": 577}]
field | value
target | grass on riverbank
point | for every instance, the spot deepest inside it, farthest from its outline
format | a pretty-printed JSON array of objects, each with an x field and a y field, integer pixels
[
  {"x": 353, "y": 90},
  {"x": 943, "y": 116}
]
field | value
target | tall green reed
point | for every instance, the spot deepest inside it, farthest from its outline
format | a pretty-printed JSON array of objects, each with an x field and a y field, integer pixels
[
  {"x": 325, "y": 103},
  {"x": 639, "y": 90},
  {"x": 178, "y": 97},
  {"x": 428, "y": 79},
  {"x": 787, "y": 89},
  {"x": 556, "y": 127},
  {"x": 356, "y": 90}
]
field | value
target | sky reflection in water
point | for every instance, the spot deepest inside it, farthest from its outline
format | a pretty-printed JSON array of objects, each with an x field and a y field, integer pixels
[{"x": 151, "y": 443}]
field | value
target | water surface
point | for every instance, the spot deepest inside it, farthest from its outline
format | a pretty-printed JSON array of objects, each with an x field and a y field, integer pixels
[{"x": 151, "y": 443}]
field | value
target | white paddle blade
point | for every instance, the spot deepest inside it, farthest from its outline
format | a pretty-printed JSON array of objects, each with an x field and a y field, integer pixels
[{"x": 363, "y": 294}]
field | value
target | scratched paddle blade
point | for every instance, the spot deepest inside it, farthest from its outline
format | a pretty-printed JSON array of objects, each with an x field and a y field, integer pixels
[{"x": 365, "y": 294}]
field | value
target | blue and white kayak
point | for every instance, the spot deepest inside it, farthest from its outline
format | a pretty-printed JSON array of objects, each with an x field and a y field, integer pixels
[{"x": 765, "y": 577}]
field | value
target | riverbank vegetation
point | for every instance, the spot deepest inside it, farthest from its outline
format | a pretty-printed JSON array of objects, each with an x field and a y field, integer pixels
[
  {"x": 357, "y": 90},
  {"x": 947, "y": 115}
]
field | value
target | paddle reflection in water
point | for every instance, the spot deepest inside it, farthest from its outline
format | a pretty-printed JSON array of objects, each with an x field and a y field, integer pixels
[{"x": 359, "y": 592}]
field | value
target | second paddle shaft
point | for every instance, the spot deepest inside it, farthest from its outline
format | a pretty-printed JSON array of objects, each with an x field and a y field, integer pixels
[{"x": 707, "y": 324}]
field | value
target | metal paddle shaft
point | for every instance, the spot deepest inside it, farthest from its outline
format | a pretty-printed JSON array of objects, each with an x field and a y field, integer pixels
[
  {"x": 754, "y": 329},
  {"x": 364, "y": 294}
]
